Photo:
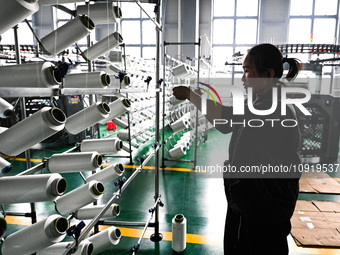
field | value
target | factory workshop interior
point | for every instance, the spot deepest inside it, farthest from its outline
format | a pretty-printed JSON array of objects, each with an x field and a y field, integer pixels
[{"x": 99, "y": 157}]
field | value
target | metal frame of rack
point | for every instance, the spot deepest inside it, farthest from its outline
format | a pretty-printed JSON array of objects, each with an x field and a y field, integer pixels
[
  {"x": 41, "y": 92},
  {"x": 165, "y": 44}
]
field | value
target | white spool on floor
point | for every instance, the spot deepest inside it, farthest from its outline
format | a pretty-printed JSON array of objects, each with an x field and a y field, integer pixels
[
  {"x": 36, "y": 237},
  {"x": 101, "y": 13},
  {"x": 84, "y": 248},
  {"x": 79, "y": 197},
  {"x": 74, "y": 162},
  {"x": 87, "y": 80},
  {"x": 89, "y": 212},
  {"x": 102, "y": 146},
  {"x": 14, "y": 11},
  {"x": 102, "y": 46},
  {"x": 179, "y": 231},
  {"x": 177, "y": 152},
  {"x": 87, "y": 118},
  {"x": 105, "y": 239},
  {"x": 107, "y": 174},
  {"x": 39, "y": 126},
  {"x": 33, "y": 75},
  {"x": 66, "y": 35},
  {"x": 118, "y": 107}
]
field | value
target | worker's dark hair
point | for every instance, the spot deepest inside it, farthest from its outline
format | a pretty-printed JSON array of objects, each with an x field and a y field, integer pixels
[{"x": 267, "y": 56}]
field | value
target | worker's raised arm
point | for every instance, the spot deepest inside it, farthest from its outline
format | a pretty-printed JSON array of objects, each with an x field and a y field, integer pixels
[{"x": 214, "y": 112}]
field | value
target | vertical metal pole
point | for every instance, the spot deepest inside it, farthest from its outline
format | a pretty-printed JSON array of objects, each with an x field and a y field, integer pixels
[
  {"x": 92, "y": 130},
  {"x": 23, "y": 116},
  {"x": 157, "y": 236},
  {"x": 163, "y": 116},
  {"x": 128, "y": 114},
  {"x": 196, "y": 124}
]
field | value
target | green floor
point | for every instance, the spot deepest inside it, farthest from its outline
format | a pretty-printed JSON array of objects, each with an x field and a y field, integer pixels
[{"x": 199, "y": 198}]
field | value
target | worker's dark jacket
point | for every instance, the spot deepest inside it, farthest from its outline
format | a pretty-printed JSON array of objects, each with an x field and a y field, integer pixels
[{"x": 268, "y": 196}]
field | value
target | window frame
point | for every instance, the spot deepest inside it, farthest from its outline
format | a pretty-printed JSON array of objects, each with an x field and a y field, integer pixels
[
  {"x": 141, "y": 19},
  {"x": 235, "y": 18},
  {"x": 312, "y": 17}
]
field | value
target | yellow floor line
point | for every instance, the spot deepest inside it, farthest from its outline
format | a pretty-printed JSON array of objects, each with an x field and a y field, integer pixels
[
  {"x": 167, "y": 168},
  {"x": 23, "y": 159},
  {"x": 135, "y": 166},
  {"x": 22, "y": 221},
  {"x": 153, "y": 168},
  {"x": 126, "y": 166},
  {"x": 128, "y": 232},
  {"x": 191, "y": 238},
  {"x": 167, "y": 236}
]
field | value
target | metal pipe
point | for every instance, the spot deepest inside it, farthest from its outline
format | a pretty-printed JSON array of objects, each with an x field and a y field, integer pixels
[
  {"x": 23, "y": 116},
  {"x": 33, "y": 170},
  {"x": 114, "y": 156},
  {"x": 146, "y": 225},
  {"x": 122, "y": 223},
  {"x": 198, "y": 79},
  {"x": 18, "y": 214},
  {"x": 181, "y": 43},
  {"x": 115, "y": 196},
  {"x": 157, "y": 236},
  {"x": 179, "y": 27},
  {"x": 163, "y": 115}
]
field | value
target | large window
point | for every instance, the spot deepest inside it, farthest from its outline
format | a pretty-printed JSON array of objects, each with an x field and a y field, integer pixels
[
  {"x": 235, "y": 28},
  {"x": 313, "y": 21},
  {"x": 138, "y": 31}
]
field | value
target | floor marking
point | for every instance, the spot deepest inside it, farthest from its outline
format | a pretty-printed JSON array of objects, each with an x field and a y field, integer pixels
[
  {"x": 22, "y": 221},
  {"x": 167, "y": 236},
  {"x": 126, "y": 166},
  {"x": 128, "y": 232},
  {"x": 23, "y": 159},
  {"x": 191, "y": 238},
  {"x": 167, "y": 168},
  {"x": 153, "y": 168},
  {"x": 136, "y": 166}
]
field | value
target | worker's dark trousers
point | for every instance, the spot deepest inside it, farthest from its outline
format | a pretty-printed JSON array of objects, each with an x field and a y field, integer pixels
[{"x": 254, "y": 237}]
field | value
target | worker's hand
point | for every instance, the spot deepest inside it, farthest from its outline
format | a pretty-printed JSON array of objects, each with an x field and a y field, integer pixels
[{"x": 181, "y": 92}]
